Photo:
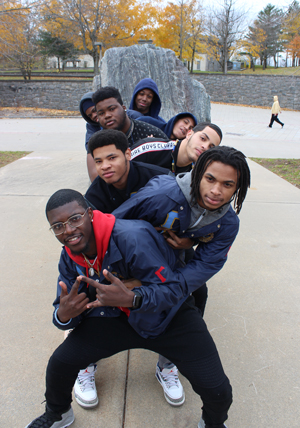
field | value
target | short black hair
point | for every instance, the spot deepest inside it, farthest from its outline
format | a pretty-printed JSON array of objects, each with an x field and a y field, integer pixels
[
  {"x": 63, "y": 197},
  {"x": 107, "y": 92},
  {"x": 228, "y": 156},
  {"x": 203, "y": 125},
  {"x": 106, "y": 137}
]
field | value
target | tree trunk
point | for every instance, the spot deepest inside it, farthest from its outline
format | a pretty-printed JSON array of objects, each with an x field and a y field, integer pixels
[
  {"x": 225, "y": 57},
  {"x": 23, "y": 71},
  {"x": 181, "y": 31},
  {"x": 29, "y": 69},
  {"x": 95, "y": 58}
]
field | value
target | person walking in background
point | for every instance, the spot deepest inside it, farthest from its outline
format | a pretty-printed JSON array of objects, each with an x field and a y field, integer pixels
[{"x": 275, "y": 110}]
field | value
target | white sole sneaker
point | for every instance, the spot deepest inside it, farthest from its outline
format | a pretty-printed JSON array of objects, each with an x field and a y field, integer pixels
[{"x": 169, "y": 386}]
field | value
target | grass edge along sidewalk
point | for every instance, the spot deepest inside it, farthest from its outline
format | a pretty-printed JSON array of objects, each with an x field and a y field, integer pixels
[{"x": 288, "y": 169}]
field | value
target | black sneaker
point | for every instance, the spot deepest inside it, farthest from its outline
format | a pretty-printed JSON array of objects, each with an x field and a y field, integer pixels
[{"x": 53, "y": 420}]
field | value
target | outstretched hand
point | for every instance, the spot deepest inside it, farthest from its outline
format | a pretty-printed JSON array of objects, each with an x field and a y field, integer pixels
[
  {"x": 178, "y": 243},
  {"x": 71, "y": 304},
  {"x": 114, "y": 294}
]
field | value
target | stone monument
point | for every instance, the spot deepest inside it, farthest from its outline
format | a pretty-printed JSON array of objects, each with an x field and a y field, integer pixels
[{"x": 124, "y": 67}]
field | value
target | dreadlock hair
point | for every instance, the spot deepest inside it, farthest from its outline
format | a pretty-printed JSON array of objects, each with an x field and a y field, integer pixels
[
  {"x": 63, "y": 197},
  {"x": 107, "y": 137},
  {"x": 227, "y": 156},
  {"x": 203, "y": 125},
  {"x": 107, "y": 92}
]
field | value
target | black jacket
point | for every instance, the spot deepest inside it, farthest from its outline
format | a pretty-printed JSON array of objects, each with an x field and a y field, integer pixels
[
  {"x": 139, "y": 130},
  {"x": 162, "y": 152},
  {"x": 106, "y": 198}
]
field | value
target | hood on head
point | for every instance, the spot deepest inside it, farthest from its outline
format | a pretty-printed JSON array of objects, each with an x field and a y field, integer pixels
[
  {"x": 275, "y": 98},
  {"x": 168, "y": 127},
  {"x": 156, "y": 103},
  {"x": 87, "y": 96}
]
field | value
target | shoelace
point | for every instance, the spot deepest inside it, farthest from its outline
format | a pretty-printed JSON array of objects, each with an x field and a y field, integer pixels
[
  {"x": 170, "y": 378},
  {"x": 86, "y": 381},
  {"x": 44, "y": 421}
]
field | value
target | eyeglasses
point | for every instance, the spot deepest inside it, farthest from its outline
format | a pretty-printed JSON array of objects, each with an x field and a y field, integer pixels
[{"x": 74, "y": 221}]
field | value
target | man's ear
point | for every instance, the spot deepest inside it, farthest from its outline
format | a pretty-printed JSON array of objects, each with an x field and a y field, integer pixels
[
  {"x": 128, "y": 154},
  {"x": 124, "y": 107},
  {"x": 90, "y": 213},
  {"x": 189, "y": 133}
]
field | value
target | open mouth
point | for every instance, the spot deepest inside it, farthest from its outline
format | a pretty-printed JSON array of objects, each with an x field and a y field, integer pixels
[{"x": 73, "y": 240}]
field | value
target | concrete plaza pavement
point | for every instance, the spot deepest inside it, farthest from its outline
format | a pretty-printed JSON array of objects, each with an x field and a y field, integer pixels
[{"x": 253, "y": 306}]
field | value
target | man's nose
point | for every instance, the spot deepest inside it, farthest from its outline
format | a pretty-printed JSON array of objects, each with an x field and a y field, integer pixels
[
  {"x": 216, "y": 188},
  {"x": 68, "y": 228},
  {"x": 105, "y": 165},
  {"x": 205, "y": 145}
]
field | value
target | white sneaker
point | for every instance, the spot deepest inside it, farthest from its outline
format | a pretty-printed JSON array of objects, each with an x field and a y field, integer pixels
[
  {"x": 85, "y": 388},
  {"x": 173, "y": 390},
  {"x": 201, "y": 424}
]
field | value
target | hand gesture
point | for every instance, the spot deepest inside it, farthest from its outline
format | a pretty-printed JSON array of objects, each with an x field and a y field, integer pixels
[
  {"x": 132, "y": 283},
  {"x": 115, "y": 294},
  {"x": 71, "y": 304},
  {"x": 178, "y": 243}
]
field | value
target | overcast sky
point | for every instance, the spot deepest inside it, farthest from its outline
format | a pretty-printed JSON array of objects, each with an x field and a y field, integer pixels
[{"x": 254, "y": 7}]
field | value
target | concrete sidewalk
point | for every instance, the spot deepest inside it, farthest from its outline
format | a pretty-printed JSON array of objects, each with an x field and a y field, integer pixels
[{"x": 253, "y": 306}]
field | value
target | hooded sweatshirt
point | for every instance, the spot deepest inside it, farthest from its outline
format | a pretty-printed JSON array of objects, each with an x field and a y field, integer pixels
[
  {"x": 167, "y": 128},
  {"x": 156, "y": 102},
  {"x": 200, "y": 217},
  {"x": 91, "y": 126},
  {"x": 276, "y": 107}
]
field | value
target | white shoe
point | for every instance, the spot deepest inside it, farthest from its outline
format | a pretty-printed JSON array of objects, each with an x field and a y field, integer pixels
[
  {"x": 173, "y": 390},
  {"x": 85, "y": 388}
]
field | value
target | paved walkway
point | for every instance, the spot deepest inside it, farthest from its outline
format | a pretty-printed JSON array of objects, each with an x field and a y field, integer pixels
[{"x": 253, "y": 307}]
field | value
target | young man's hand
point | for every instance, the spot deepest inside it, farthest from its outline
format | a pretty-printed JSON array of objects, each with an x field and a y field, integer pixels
[
  {"x": 115, "y": 294},
  {"x": 71, "y": 304},
  {"x": 178, "y": 243},
  {"x": 132, "y": 283}
]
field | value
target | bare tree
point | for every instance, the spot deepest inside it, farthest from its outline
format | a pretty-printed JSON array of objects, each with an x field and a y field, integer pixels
[{"x": 227, "y": 24}]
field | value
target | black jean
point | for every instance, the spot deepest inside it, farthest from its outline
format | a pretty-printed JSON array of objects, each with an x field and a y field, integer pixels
[
  {"x": 186, "y": 342},
  {"x": 274, "y": 118}
]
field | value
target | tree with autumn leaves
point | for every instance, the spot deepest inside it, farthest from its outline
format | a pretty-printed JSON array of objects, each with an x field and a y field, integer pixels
[
  {"x": 86, "y": 23},
  {"x": 291, "y": 32},
  {"x": 26, "y": 29},
  {"x": 180, "y": 27},
  {"x": 18, "y": 30}
]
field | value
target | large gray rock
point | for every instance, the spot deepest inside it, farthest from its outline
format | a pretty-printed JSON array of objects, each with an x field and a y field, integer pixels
[{"x": 124, "y": 67}]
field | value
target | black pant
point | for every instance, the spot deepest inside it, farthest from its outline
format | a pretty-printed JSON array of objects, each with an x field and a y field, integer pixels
[
  {"x": 274, "y": 117},
  {"x": 200, "y": 295},
  {"x": 186, "y": 342}
]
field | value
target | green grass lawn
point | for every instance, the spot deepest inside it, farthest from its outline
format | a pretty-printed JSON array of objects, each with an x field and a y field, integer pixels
[
  {"x": 289, "y": 169},
  {"x": 8, "y": 157},
  {"x": 281, "y": 71}
]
